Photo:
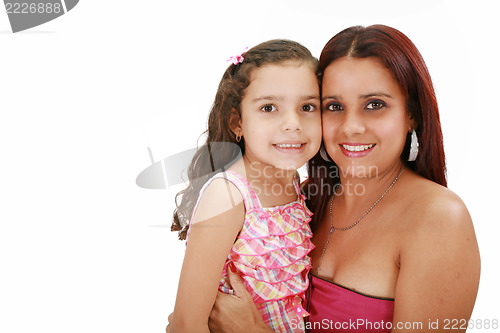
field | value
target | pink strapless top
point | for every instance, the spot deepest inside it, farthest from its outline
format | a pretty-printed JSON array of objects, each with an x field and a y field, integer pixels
[{"x": 334, "y": 308}]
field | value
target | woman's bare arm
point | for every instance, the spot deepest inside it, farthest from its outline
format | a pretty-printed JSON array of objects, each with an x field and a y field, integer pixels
[
  {"x": 439, "y": 270},
  {"x": 236, "y": 313}
]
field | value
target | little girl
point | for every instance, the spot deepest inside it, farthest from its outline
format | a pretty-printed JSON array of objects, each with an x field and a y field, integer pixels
[{"x": 251, "y": 218}]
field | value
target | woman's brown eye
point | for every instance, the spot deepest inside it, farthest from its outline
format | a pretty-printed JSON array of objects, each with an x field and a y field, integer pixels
[
  {"x": 334, "y": 107},
  {"x": 375, "y": 105}
]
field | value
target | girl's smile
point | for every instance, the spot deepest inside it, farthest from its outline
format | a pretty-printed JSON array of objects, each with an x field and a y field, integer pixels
[{"x": 290, "y": 148}]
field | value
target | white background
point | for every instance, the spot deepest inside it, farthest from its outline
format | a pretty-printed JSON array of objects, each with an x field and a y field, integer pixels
[{"x": 82, "y": 248}]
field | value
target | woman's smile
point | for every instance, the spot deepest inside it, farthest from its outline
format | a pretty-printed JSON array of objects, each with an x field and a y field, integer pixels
[{"x": 356, "y": 150}]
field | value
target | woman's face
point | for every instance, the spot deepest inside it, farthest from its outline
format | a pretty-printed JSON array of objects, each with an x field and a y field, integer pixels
[{"x": 365, "y": 120}]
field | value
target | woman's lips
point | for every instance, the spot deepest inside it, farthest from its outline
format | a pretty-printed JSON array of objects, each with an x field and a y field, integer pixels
[{"x": 356, "y": 150}]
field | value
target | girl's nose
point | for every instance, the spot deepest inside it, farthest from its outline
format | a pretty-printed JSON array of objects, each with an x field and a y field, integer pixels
[{"x": 291, "y": 121}]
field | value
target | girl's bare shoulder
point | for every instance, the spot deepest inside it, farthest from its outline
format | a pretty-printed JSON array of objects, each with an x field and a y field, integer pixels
[{"x": 221, "y": 196}]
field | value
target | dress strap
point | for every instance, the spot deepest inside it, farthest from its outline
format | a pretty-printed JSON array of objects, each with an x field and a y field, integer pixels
[
  {"x": 296, "y": 185},
  {"x": 250, "y": 199}
]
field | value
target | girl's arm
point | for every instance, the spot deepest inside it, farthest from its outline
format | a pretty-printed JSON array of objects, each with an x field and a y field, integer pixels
[
  {"x": 439, "y": 270},
  {"x": 215, "y": 225}
]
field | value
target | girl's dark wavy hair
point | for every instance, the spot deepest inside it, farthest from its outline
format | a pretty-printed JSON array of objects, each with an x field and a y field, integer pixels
[
  {"x": 402, "y": 58},
  {"x": 211, "y": 157}
]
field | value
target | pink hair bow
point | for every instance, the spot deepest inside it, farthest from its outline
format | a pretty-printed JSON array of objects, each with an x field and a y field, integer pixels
[{"x": 238, "y": 59}]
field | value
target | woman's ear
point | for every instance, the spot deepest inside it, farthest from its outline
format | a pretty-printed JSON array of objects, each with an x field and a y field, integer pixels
[
  {"x": 413, "y": 122},
  {"x": 235, "y": 122}
]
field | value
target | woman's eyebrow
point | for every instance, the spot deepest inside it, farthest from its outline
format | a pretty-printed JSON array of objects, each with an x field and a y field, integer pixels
[
  {"x": 364, "y": 96},
  {"x": 375, "y": 94},
  {"x": 331, "y": 97}
]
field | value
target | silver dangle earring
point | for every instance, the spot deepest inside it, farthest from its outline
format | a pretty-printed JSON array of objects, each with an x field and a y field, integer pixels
[
  {"x": 413, "y": 147},
  {"x": 324, "y": 154}
]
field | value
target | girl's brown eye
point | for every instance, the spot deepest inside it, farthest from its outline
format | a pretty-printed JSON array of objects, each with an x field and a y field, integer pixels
[
  {"x": 308, "y": 108},
  {"x": 268, "y": 108}
]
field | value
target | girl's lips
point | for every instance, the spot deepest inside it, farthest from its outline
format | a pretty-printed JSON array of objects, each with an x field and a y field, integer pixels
[
  {"x": 290, "y": 148},
  {"x": 356, "y": 150}
]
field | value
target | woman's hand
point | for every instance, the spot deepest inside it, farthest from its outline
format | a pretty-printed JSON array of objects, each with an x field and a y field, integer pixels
[
  {"x": 237, "y": 312},
  {"x": 170, "y": 319}
]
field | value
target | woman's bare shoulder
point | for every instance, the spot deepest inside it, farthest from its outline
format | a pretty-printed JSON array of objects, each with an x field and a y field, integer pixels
[
  {"x": 435, "y": 209},
  {"x": 437, "y": 199},
  {"x": 434, "y": 213},
  {"x": 438, "y": 257}
]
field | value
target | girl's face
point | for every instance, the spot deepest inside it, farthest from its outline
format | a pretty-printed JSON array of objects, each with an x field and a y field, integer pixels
[
  {"x": 365, "y": 120},
  {"x": 281, "y": 115}
]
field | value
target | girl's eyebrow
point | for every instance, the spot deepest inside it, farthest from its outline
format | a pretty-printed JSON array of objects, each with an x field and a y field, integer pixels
[
  {"x": 309, "y": 97},
  {"x": 268, "y": 98},
  {"x": 280, "y": 98}
]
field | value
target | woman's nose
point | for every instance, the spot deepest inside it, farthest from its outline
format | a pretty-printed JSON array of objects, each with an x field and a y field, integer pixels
[{"x": 353, "y": 124}]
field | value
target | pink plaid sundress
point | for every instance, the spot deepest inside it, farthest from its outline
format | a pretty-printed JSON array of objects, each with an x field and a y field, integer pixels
[{"x": 271, "y": 256}]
